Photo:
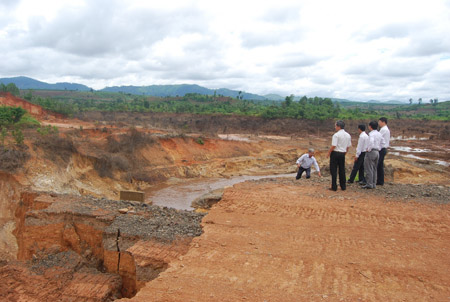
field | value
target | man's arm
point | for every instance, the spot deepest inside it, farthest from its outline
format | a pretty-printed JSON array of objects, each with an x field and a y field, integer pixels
[
  {"x": 331, "y": 150},
  {"x": 316, "y": 165}
]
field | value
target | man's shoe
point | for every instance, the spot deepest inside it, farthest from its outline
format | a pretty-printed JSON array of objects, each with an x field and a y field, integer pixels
[
  {"x": 349, "y": 182},
  {"x": 366, "y": 187},
  {"x": 363, "y": 183},
  {"x": 331, "y": 189}
]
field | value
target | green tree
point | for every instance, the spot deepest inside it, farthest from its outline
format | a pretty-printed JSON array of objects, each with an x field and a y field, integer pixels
[
  {"x": 10, "y": 115},
  {"x": 28, "y": 96},
  {"x": 288, "y": 101},
  {"x": 12, "y": 88}
]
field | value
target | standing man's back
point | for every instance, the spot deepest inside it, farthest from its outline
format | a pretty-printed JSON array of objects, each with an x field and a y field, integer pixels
[
  {"x": 372, "y": 156},
  {"x": 340, "y": 143},
  {"x": 361, "y": 148}
]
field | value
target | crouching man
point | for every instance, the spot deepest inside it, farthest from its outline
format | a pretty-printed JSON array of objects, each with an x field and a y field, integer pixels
[{"x": 305, "y": 162}]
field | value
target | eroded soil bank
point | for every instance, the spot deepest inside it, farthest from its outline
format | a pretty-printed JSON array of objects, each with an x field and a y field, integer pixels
[{"x": 87, "y": 249}]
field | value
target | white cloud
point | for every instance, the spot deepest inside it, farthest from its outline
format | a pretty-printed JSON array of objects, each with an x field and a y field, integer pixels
[{"x": 349, "y": 49}]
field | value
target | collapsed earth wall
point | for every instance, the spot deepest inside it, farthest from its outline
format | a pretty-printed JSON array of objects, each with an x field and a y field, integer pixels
[{"x": 131, "y": 240}]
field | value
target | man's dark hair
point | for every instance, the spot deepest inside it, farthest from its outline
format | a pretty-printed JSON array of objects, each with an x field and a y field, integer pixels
[
  {"x": 362, "y": 127},
  {"x": 373, "y": 125},
  {"x": 340, "y": 124},
  {"x": 383, "y": 119}
]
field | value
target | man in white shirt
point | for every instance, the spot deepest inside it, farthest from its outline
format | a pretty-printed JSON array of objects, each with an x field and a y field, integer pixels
[
  {"x": 340, "y": 143},
  {"x": 372, "y": 155},
  {"x": 386, "y": 134},
  {"x": 358, "y": 166},
  {"x": 305, "y": 162}
]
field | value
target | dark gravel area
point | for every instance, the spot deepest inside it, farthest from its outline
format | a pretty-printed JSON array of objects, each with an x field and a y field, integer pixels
[
  {"x": 163, "y": 224},
  {"x": 392, "y": 191},
  {"x": 132, "y": 218}
]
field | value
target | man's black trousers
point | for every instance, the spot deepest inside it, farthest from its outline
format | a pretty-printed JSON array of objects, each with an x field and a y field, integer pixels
[
  {"x": 301, "y": 170},
  {"x": 358, "y": 166},
  {"x": 380, "y": 167},
  {"x": 337, "y": 161}
]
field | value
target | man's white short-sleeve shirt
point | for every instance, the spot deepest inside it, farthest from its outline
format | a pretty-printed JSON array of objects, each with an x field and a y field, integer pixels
[{"x": 341, "y": 140}]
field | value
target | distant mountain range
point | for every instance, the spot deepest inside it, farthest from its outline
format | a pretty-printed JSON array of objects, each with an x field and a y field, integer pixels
[
  {"x": 24, "y": 83},
  {"x": 181, "y": 90},
  {"x": 29, "y": 83}
]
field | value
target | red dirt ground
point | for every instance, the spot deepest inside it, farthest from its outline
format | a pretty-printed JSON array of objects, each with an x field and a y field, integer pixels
[{"x": 284, "y": 241}]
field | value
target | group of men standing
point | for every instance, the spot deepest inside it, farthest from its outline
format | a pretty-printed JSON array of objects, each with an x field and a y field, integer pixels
[{"x": 369, "y": 158}]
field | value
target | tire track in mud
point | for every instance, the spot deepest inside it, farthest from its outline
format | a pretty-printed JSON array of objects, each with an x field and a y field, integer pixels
[{"x": 277, "y": 242}]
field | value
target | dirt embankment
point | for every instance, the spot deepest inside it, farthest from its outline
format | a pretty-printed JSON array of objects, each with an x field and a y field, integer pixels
[
  {"x": 37, "y": 111},
  {"x": 87, "y": 249},
  {"x": 213, "y": 124},
  {"x": 103, "y": 162}
]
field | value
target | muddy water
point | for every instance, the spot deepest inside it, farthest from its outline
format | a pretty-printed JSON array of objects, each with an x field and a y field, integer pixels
[
  {"x": 434, "y": 154},
  {"x": 181, "y": 193}
]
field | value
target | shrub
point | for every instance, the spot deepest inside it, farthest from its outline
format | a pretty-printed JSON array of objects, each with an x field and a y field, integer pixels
[
  {"x": 13, "y": 158},
  {"x": 129, "y": 142},
  {"x": 107, "y": 164},
  {"x": 57, "y": 149},
  {"x": 18, "y": 136},
  {"x": 103, "y": 166}
]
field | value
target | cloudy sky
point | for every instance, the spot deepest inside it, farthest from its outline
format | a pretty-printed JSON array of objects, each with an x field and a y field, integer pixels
[{"x": 354, "y": 49}]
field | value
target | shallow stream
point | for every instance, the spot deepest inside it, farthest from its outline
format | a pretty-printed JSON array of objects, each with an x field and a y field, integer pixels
[{"x": 181, "y": 193}]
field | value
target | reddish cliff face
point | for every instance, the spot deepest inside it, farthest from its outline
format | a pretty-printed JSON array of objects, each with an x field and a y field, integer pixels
[{"x": 8, "y": 99}]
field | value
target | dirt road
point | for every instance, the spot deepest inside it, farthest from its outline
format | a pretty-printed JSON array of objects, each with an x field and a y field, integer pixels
[{"x": 286, "y": 240}]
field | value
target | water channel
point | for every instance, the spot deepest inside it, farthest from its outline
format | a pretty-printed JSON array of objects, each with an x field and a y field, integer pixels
[{"x": 182, "y": 193}]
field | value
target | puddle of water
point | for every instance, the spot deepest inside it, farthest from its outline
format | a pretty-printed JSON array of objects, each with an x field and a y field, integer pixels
[
  {"x": 180, "y": 196},
  {"x": 409, "y": 149},
  {"x": 439, "y": 162},
  {"x": 408, "y": 138},
  {"x": 234, "y": 137},
  {"x": 247, "y": 137},
  {"x": 274, "y": 137}
]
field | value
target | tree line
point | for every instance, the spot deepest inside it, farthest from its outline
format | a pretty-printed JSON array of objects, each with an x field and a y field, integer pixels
[{"x": 315, "y": 108}]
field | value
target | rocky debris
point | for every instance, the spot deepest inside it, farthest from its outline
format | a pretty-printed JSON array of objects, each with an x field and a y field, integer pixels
[
  {"x": 207, "y": 200},
  {"x": 416, "y": 192},
  {"x": 123, "y": 210},
  {"x": 153, "y": 222}
]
